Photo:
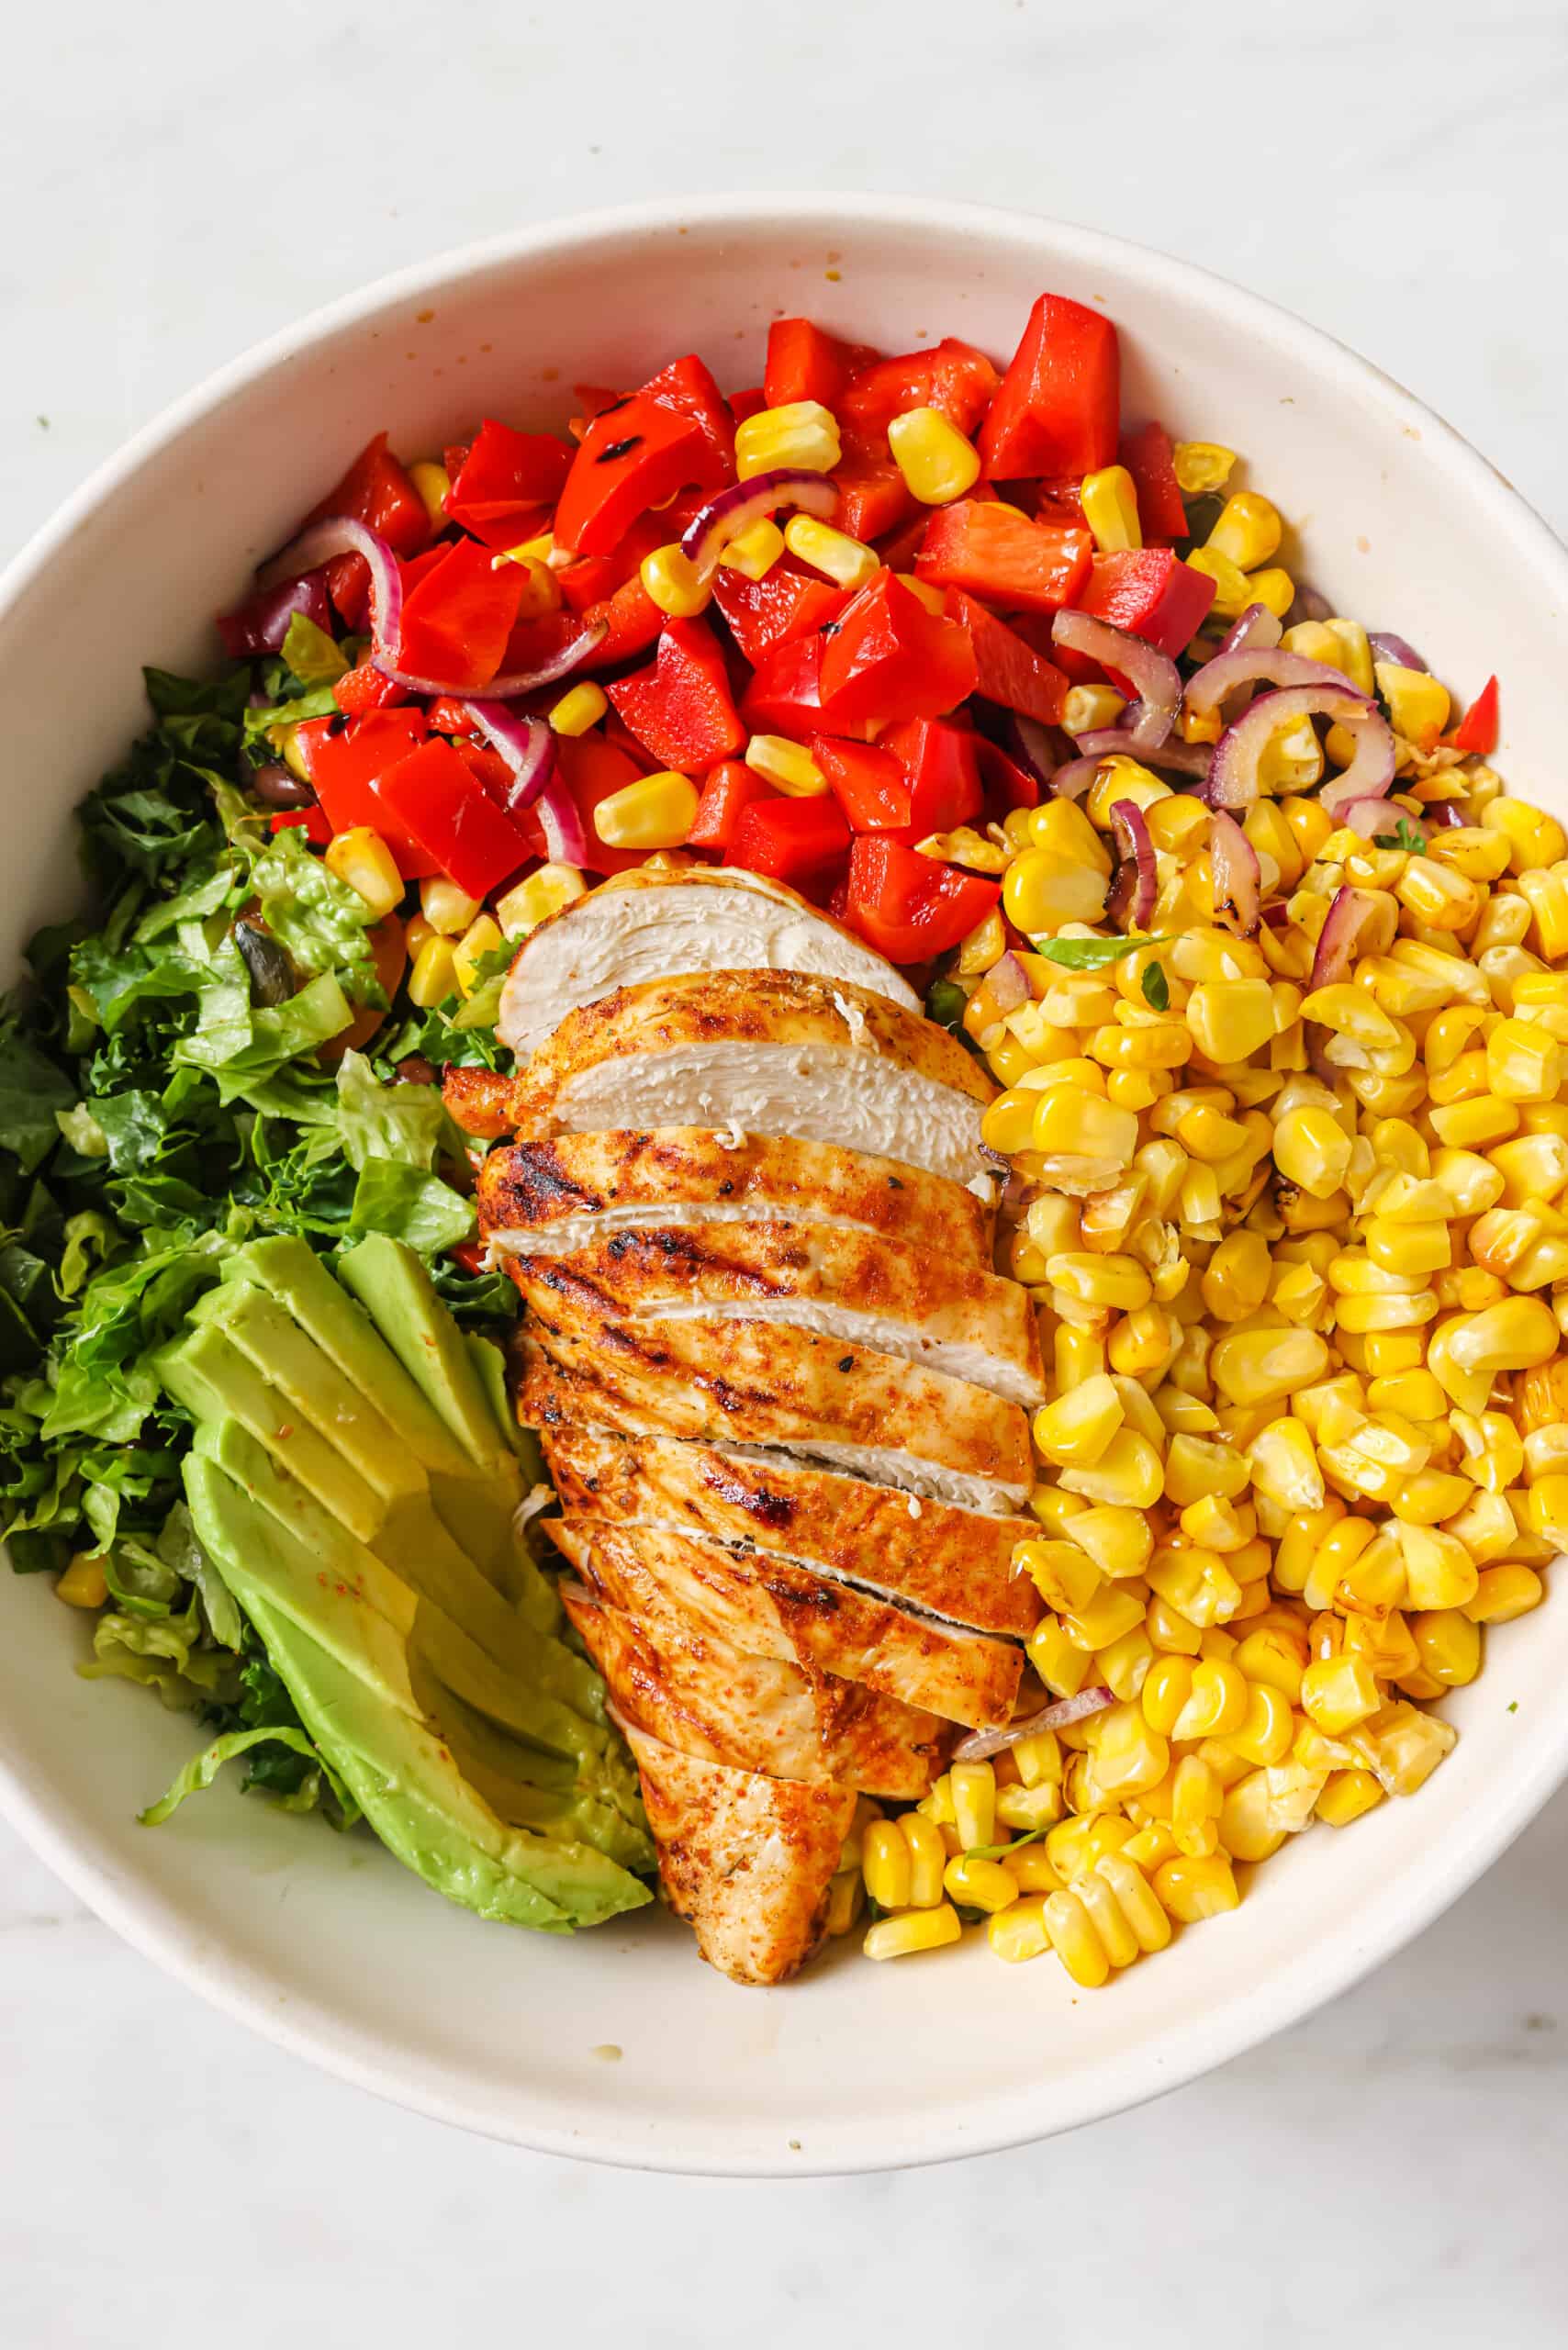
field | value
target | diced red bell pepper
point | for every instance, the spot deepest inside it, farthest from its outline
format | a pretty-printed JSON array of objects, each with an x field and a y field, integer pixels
[
  {"x": 1058, "y": 407},
  {"x": 953, "y": 377},
  {"x": 593, "y": 769},
  {"x": 799, "y": 841},
  {"x": 728, "y": 793},
  {"x": 346, "y": 766},
  {"x": 449, "y": 716},
  {"x": 378, "y": 490},
  {"x": 505, "y": 478},
  {"x": 436, "y": 798},
  {"x": 1009, "y": 670},
  {"x": 785, "y": 695},
  {"x": 311, "y": 822},
  {"x": 994, "y": 552},
  {"x": 785, "y": 604},
  {"x": 912, "y": 907},
  {"x": 806, "y": 363},
  {"x": 594, "y": 578},
  {"x": 1059, "y": 501},
  {"x": 1006, "y": 784},
  {"x": 680, "y": 705},
  {"x": 686, "y": 386},
  {"x": 942, "y": 764},
  {"x": 899, "y": 547},
  {"x": 869, "y": 783},
  {"x": 631, "y": 621},
  {"x": 633, "y": 456},
  {"x": 1150, "y": 593},
  {"x": 1477, "y": 730},
  {"x": 487, "y": 767},
  {"x": 458, "y": 616},
  {"x": 751, "y": 402},
  {"x": 366, "y": 689},
  {"x": 889, "y": 659},
  {"x": 873, "y": 495},
  {"x": 1147, "y": 454},
  {"x": 470, "y": 1256}
]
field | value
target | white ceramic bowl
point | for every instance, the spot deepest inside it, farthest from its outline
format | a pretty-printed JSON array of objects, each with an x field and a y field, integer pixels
[{"x": 327, "y": 1945}]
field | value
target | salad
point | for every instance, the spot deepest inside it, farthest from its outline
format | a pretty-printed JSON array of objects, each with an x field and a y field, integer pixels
[{"x": 932, "y": 724}]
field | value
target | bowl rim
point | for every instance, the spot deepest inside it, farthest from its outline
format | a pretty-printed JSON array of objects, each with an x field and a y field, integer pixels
[{"x": 313, "y": 2030}]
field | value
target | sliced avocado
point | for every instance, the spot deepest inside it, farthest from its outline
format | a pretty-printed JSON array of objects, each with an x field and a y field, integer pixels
[
  {"x": 205, "y": 1371},
  {"x": 344, "y": 1668},
  {"x": 395, "y": 1289}
]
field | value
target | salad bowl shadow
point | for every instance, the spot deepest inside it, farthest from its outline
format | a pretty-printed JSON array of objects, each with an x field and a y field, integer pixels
[{"x": 618, "y": 2045}]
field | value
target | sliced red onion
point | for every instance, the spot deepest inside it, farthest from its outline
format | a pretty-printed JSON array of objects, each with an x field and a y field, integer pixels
[
  {"x": 1371, "y": 816},
  {"x": 517, "y": 682},
  {"x": 1074, "y": 780},
  {"x": 261, "y": 623},
  {"x": 745, "y": 502},
  {"x": 1443, "y": 813},
  {"x": 1309, "y": 605},
  {"x": 1153, "y": 674},
  {"x": 1237, "y": 880},
  {"x": 1233, "y": 773},
  {"x": 561, "y": 822},
  {"x": 1008, "y": 983},
  {"x": 1136, "y": 883},
  {"x": 1349, "y": 914},
  {"x": 526, "y": 744},
  {"x": 1056, "y": 1715},
  {"x": 1386, "y": 646},
  {"x": 1119, "y": 742},
  {"x": 1276, "y": 915},
  {"x": 341, "y": 534},
  {"x": 1258, "y": 664},
  {"x": 1257, "y": 629},
  {"x": 1032, "y": 746}
]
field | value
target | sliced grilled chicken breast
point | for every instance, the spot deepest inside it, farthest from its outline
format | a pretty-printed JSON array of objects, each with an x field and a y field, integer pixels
[
  {"x": 757, "y": 1713},
  {"x": 763, "y": 1052},
  {"x": 649, "y": 925},
  {"x": 867, "y": 1291},
  {"x": 767, "y": 1384},
  {"x": 772, "y": 1606},
  {"x": 947, "y": 1562},
  {"x": 558, "y": 1193},
  {"x": 744, "y": 1859}
]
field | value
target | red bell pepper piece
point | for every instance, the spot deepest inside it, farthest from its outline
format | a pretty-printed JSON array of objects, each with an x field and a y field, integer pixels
[
  {"x": 806, "y": 363},
  {"x": 487, "y": 766},
  {"x": 994, "y": 552},
  {"x": 593, "y": 769},
  {"x": 1477, "y": 730},
  {"x": 458, "y": 618},
  {"x": 686, "y": 386},
  {"x": 445, "y": 807},
  {"x": 311, "y": 822},
  {"x": 633, "y": 455},
  {"x": 1009, "y": 670},
  {"x": 1150, "y": 593},
  {"x": 365, "y": 688},
  {"x": 1006, "y": 784},
  {"x": 889, "y": 659},
  {"x": 376, "y": 490},
  {"x": 594, "y": 578},
  {"x": 1147, "y": 454},
  {"x": 786, "y": 604},
  {"x": 873, "y": 495},
  {"x": 785, "y": 696},
  {"x": 797, "y": 841},
  {"x": 912, "y": 907},
  {"x": 1058, "y": 501},
  {"x": 942, "y": 764},
  {"x": 953, "y": 377},
  {"x": 449, "y": 716},
  {"x": 504, "y": 480},
  {"x": 680, "y": 705},
  {"x": 899, "y": 547},
  {"x": 868, "y": 782},
  {"x": 728, "y": 793},
  {"x": 346, "y": 766},
  {"x": 1056, "y": 409}
]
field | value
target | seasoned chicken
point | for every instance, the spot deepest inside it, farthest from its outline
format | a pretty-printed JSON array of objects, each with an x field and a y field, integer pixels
[
  {"x": 948, "y": 1563},
  {"x": 763, "y": 1052},
  {"x": 773, "y": 1606},
  {"x": 754, "y": 1712},
  {"x": 868, "y": 1291},
  {"x": 746, "y": 1859},
  {"x": 559, "y": 1193},
  {"x": 756, "y": 1383},
  {"x": 650, "y": 923}
]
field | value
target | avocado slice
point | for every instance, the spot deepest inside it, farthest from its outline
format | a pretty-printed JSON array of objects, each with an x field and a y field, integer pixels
[
  {"x": 346, "y": 1667},
  {"x": 396, "y": 1290},
  {"x": 205, "y": 1371}
]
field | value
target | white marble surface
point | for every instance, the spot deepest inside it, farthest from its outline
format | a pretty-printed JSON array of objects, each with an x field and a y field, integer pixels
[{"x": 176, "y": 182}]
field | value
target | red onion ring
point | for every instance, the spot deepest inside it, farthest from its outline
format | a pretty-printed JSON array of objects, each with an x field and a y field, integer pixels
[
  {"x": 1371, "y": 816},
  {"x": 1259, "y": 666},
  {"x": 526, "y": 744},
  {"x": 1033, "y": 746},
  {"x": 1309, "y": 605},
  {"x": 1134, "y": 885},
  {"x": 1233, "y": 774},
  {"x": 1443, "y": 813},
  {"x": 561, "y": 822},
  {"x": 341, "y": 534},
  {"x": 1255, "y": 629},
  {"x": 1120, "y": 741},
  {"x": 745, "y": 502},
  {"x": 1348, "y": 914},
  {"x": 1386, "y": 646},
  {"x": 981, "y": 1743},
  {"x": 1154, "y": 673},
  {"x": 1238, "y": 878},
  {"x": 1008, "y": 983},
  {"x": 517, "y": 682}
]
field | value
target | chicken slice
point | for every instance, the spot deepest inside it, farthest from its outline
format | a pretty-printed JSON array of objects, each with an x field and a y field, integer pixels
[
  {"x": 766, "y": 1383},
  {"x": 775, "y": 1607},
  {"x": 746, "y": 1859},
  {"x": 757, "y": 1713},
  {"x": 765, "y": 1052},
  {"x": 557, "y": 1194},
  {"x": 949, "y": 1563},
  {"x": 969, "y": 1325},
  {"x": 650, "y": 923}
]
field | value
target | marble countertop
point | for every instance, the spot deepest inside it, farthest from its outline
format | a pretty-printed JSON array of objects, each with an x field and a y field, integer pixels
[{"x": 180, "y": 182}]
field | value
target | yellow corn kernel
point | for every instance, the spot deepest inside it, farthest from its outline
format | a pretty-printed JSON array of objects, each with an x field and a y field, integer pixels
[
  {"x": 1284, "y": 1466},
  {"x": 1248, "y": 1828},
  {"x": 1118, "y": 1540},
  {"x": 1029, "y": 1809},
  {"x": 672, "y": 581},
  {"x": 1272, "y": 1658},
  {"x": 1065, "y": 1577},
  {"x": 1111, "y": 1615},
  {"x": 845, "y": 561},
  {"x": 1313, "y": 1150},
  {"x": 843, "y": 1902},
  {"x": 1535, "y": 840},
  {"x": 1109, "y": 498},
  {"x": 533, "y": 900},
  {"x": 1117, "y": 1284},
  {"x": 1090, "y": 1142},
  {"x": 803, "y": 433},
  {"x": 1337, "y": 1691},
  {"x": 433, "y": 483},
  {"x": 1218, "y": 1703},
  {"x": 654, "y": 811},
  {"x": 927, "y": 1861},
  {"x": 978, "y": 1884},
  {"x": 974, "y": 1802},
  {"x": 985, "y": 944},
  {"x": 1198, "y": 1888},
  {"x": 1089, "y": 708},
  {"x": 1129, "y": 1755},
  {"x": 1411, "y": 1249},
  {"x": 1402, "y": 1747},
  {"x": 1466, "y": 1352},
  {"x": 1129, "y": 1474},
  {"x": 755, "y": 551},
  {"x": 1248, "y": 529},
  {"x": 786, "y": 766},
  {"x": 1143, "y": 1341},
  {"x": 579, "y": 708},
  {"x": 445, "y": 907},
  {"x": 1198, "y": 1584},
  {"x": 1275, "y": 590},
  {"x": 936, "y": 462},
  {"x": 1075, "y": 1355},
  {"x": 435, "y": 975},
  {"x": 1524, "y": 1062},
  {"x": 1417, "y": 705},
  {"x": 1202, "y": 466},
  {"x": 885, "y": 1865},
  {"x": 1347, "y": 1795},
  {"x": 1231, "y": 1019},
  {"x": 362, "y": 859},
  {"x": 84, "y": 1583},
  {"x": 1031, "y": 1869},
  {"x": 1439, "y": 1571},
  {"x": 1235, "y": 1282},
  {"x": 1233, "y": 590},
  {"x": 1007, "y": 1124},
  {"x": 1077, "y": 1427},
  {"x": 1448, "y": 1642},
  {"x": 917, "y": 1930},
  {"x": 1261, "y": 1366},
  {"x": 1196, "y": 1799},
  {"x": 1043, "y": 888},
  {"x": 1074, "y": 1939},
  {"x": 1019, "y": 1932},
  {"x": 1165, "y": 1689},
  {"x": 1504, "y": 1592},
  {"x": 481, "y": 938}
]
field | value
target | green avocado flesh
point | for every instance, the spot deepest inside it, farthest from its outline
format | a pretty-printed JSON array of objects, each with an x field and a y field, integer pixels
[{"x": 354, "y": 1484}]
